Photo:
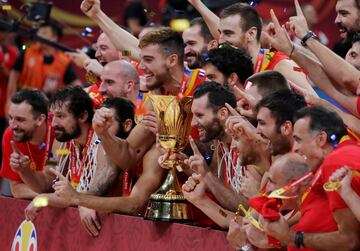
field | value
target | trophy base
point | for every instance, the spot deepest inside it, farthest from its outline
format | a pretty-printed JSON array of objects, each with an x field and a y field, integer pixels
[
  {"x": 172, "y": 211},
  {"x": 169, "y": 203}
]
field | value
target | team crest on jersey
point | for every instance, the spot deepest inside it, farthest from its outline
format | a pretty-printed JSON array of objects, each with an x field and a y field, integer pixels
[{"x": 25, "y": 238}]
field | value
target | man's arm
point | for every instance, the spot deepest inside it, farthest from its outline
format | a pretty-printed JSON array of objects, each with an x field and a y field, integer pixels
[
  {"x": 149, "y": 181},
  {"x": 122, "y": 39},
  {"x": 337, "y": 68},
  {"x": 20, "y": 190},
  {"x": 318, "y": 75},
  {"x": 226, "y": 197},
  {"x": 346, "y": 238},
  {"x": 212, "y": 21},
  {"x": 12, "y": 83},
  {"x": 287, "y": 68},
  {"x": 39, "y": 181},
  {"x": 106, "y": 173},
  {"x": 124, "y": 153}
]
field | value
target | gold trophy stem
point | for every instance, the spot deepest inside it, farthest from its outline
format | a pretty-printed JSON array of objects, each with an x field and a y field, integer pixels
[{"x": 168, "y": 203}]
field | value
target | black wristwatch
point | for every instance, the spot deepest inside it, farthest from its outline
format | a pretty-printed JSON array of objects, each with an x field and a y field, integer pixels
[
  {"x": 299, "y": 239},
  {"x": 309, "y": 35}
]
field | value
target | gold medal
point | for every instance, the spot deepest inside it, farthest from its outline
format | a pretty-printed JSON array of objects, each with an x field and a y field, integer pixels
[
  {"x": 91, "y": 78},
  {"x": 331, "y": 186},
  {"x": 74, "y": 184},
  {"x": 138, "y": 118},
  {"x": 41, "y": 201}
]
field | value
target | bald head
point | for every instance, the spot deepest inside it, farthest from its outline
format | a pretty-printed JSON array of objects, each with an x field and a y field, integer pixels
[
  {"x": 292, "y": 166},
  {"x": 286, "y": 169},
  {"x": 119, "y": 79}
]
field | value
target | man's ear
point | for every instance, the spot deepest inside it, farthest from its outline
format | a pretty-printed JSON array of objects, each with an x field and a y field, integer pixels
[
  {"x": 212, "y": 44},
  {"x": 172, "y": 60},
  {"x": 223, "y": 113},
  {"x": 287, "y": 128},
  {"x": 251, "y": 34},
  {"x": 233, "y": 79},
  {"x": 41, "y": 119},
  {"x": 84, "y": 117},
  {"x": 127, "y": 125},
  {"x": 322, "y": 139}
]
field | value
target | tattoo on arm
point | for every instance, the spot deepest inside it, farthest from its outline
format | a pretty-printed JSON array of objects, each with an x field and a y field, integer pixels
[{"x": 103, "y": 178}]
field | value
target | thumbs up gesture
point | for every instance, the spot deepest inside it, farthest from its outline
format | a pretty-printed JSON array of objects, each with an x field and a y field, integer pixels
[{"x": 18, "y": 160}]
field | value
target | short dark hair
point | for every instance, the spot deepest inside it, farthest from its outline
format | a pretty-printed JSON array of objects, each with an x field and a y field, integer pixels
[
  {"x": 217, "y": 94},
  {"x": 228, "y": 60},
  {"x": 78, "y": 101},
  {"x": 54, "y": 26},
  {"x": 355, "y": 38},
  {"x": 283, "y": 105},
  {"x": 124, "y": 109},
  {"x": 323, "y": 119},
  {"x": 170, "y": 41},
  {"x": 204, "y": 29},
  {"x": 249, "y": 17},
  {"x": 268, "y": 82},
  {"x": 35, "y": 98}
]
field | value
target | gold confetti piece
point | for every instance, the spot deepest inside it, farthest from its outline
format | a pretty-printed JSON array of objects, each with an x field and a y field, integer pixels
[
  {"x": 126, "y": 53},
  {"x": 62, "y": 151},
  {"x": 179, "y": 25},
  {"x": 223, "y": 213},
  {"x": 41, "y": 201},
  {"x": 6, "y": 7}
]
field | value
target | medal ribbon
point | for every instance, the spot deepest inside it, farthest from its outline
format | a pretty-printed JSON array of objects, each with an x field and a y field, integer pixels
[
  {"x": 48, "y": 137},
  {"x": 76, "y": 174}
]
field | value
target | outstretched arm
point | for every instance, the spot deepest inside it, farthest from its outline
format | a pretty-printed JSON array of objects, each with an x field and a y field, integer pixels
[
  {"x": 122, "y": 39},
  {"x": 211, "y": 20},
  {"x": 342, "y": 72}
]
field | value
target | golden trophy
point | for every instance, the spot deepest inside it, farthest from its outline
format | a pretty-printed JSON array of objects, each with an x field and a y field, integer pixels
[{"x": 168, "y": 203}]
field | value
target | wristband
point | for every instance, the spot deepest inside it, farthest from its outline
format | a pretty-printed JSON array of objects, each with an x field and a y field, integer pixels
[
  {"x": 309, "y": 35},
  {"x": 299, "y": 240}
]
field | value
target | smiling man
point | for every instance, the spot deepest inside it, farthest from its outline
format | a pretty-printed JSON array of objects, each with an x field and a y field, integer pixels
[
  {"x": 119, "y": 79},
  {"x": 275, "y": 115},
  {"x": 347, "y": 18},
  {"x": 25, "y": 142}
]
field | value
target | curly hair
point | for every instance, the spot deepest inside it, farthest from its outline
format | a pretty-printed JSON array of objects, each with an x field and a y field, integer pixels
[{"x": 230, "y": 60}]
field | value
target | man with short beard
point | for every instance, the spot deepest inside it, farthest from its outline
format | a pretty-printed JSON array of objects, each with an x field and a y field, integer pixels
[
  {"x": 27, "y": 140},
  {"x": 275, "y": 114},
  {"x": 347, "y": 20},
  {"x": 198, "y": 41}
]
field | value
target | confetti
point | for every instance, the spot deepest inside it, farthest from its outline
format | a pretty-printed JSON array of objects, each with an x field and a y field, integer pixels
[
  {"x": 6, "y": 7},
  {"x": 62, "y": 151},
  {"x": 179, "y": 25},
  {"x": 41, "y": 201},
  {"x": 87, "y": 32}
]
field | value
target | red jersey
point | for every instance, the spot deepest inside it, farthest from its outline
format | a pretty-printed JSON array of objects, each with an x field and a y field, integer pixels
[
  {"x": 272, "y": 58},
  {"x": 37, "y": 154},
  {"x": 347, "y": 154},
  {"x": 316, "y": 216},
  {"x": 358, "y": 105}
]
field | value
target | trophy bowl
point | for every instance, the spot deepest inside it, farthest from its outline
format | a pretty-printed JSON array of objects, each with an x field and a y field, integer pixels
[{"x": 174, "y": 116}]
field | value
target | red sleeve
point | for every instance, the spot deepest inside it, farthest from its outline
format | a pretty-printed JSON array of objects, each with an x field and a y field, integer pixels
[
  {"x": 6, "y": 170},
  {"x": 358, "y": 104},
  {"x": 348, "y": 156},
  {"x": 276, "y": 59}
]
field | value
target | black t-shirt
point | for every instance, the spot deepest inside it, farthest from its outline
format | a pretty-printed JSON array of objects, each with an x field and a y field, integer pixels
[{"x": 69, "y": 75}]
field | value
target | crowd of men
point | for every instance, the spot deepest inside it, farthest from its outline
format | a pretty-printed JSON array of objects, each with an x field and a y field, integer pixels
[{"x": 266, "y": 148}]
